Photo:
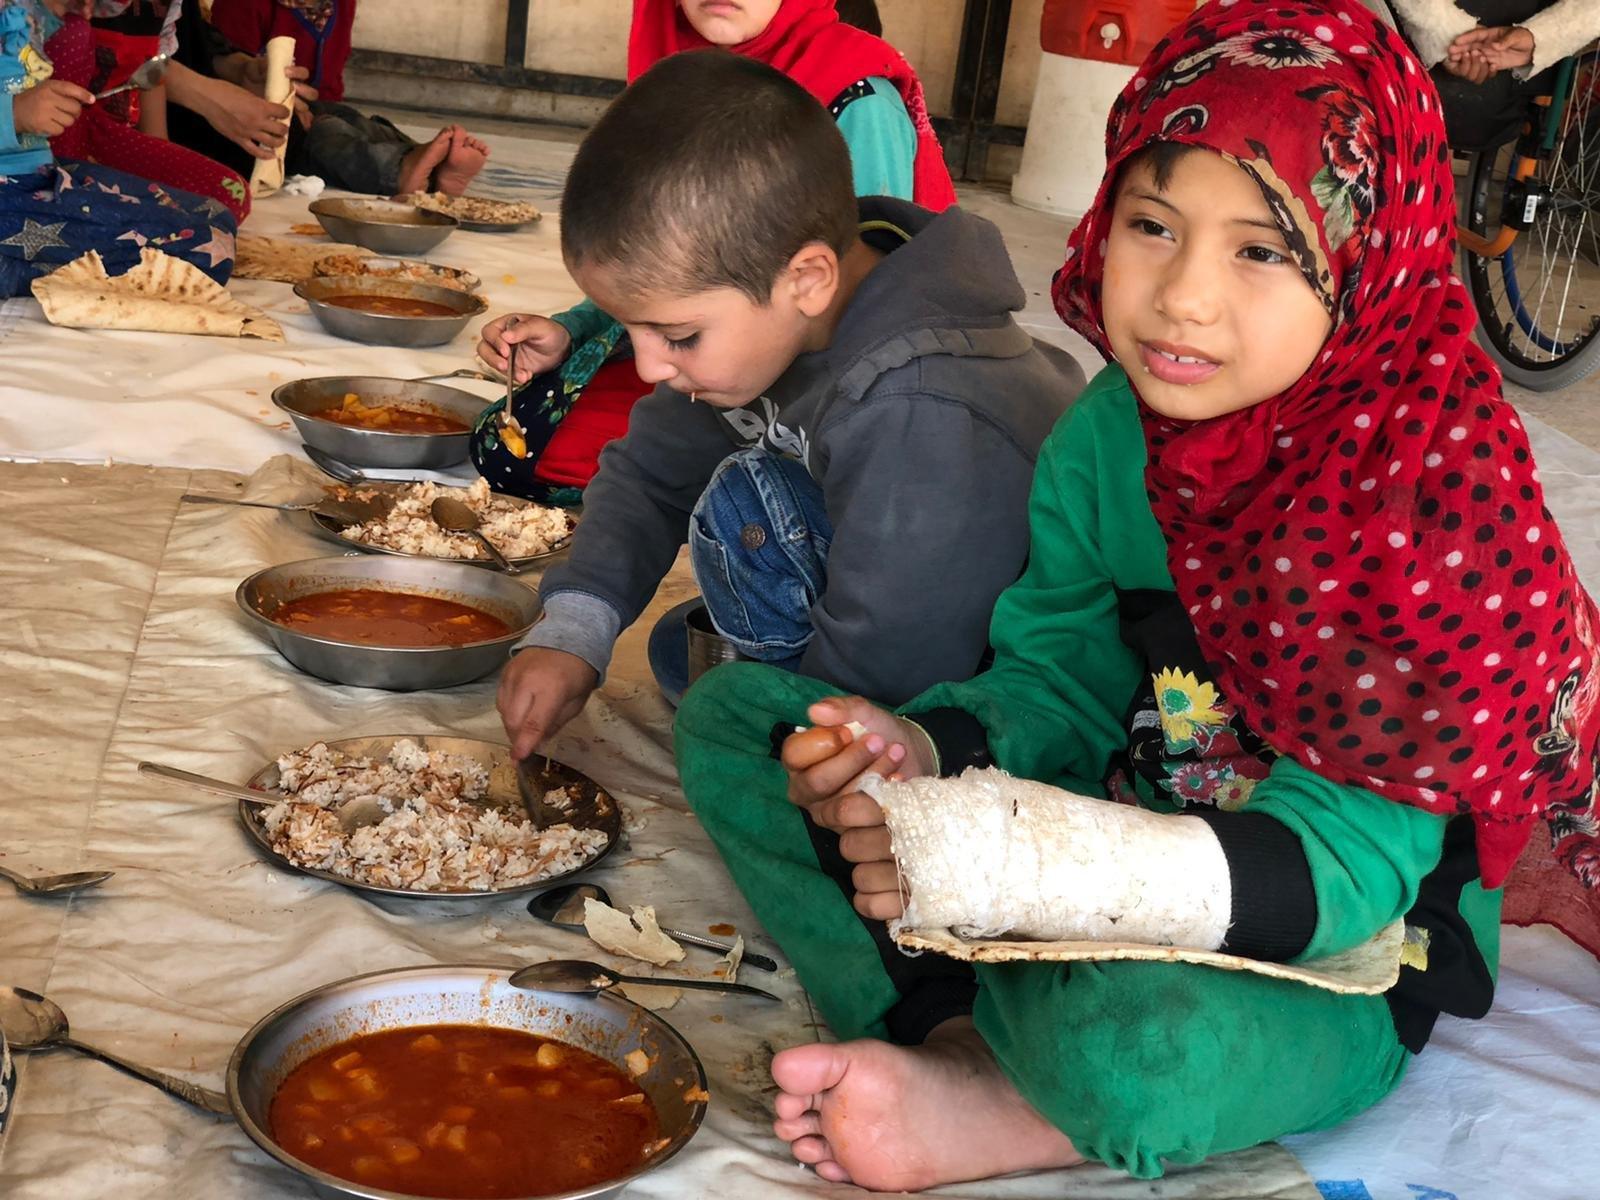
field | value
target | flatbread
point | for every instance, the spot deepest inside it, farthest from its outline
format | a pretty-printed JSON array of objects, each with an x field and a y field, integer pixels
[
  {"x": 1368, "y": 970},
  {"x": 308, "y": 229},
  {"x": 267, "y": 176},
  {"x": 257, "y": 257},
  {"x": 474, "y": 208},
  {"x": 162, "y": 294}
]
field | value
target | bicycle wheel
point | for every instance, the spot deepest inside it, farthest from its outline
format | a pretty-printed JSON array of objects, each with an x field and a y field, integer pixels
[{"x": 1539, "y": 303}]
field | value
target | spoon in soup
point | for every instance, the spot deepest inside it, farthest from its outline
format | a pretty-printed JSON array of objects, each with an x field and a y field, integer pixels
[
  {"x": 34, "y": 1022},
  {"x": 575, "y": 976},
  {"x": 352, "y": 814},
  {"x": 454, "y": 516}
]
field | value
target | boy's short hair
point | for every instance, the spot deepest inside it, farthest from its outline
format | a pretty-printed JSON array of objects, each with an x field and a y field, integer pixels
[{"x": 710, "y": 171}]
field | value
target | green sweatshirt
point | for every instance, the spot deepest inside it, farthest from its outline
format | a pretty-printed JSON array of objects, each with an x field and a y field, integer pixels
[{"x": 1055, "y": 707}]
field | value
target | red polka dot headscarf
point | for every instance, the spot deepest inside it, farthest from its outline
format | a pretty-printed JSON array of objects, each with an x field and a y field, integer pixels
[{"x": 1367, "y": 558}]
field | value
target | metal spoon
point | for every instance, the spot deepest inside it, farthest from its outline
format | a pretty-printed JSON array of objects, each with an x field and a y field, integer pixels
[
  {"x": 456, "y": 517},
  {"x": 459, "y": 373},
  {"x": 587, "y": 978},
  {"x": 351, "y": 510},
  {"x": 352, "y": 814},
  {"x": 56, "y": 885},
  {"x": 33, "y": 1022},
  {"x": 562, "y": 906},
  {"x": 148, "y": 73}
]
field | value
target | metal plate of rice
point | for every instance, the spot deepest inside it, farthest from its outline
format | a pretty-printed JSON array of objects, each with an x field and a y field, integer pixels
[{"x": 415, "y": 848}]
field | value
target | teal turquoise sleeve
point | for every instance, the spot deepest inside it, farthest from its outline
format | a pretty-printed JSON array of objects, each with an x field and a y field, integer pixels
[
  {"x": 1053, "y": 704},
  {"x": 583, "y": 321},
  {"x": 8, "y": 125},
  {"x": 1368, "y": 855},
  {"x": 882, "y": 141}
]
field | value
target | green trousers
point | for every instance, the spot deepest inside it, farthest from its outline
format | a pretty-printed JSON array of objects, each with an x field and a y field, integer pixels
[{"x": 1140, "y": 1064}]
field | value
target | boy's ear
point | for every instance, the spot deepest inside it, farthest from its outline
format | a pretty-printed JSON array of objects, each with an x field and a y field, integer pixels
[{"x": 812, "y": 278}]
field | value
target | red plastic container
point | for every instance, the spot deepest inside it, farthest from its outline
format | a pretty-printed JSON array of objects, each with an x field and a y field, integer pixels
[{"x": 1121, "y": 31}]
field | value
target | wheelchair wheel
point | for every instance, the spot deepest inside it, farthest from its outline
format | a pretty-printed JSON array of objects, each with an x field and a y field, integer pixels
[{"x": 1539, "y": 303}]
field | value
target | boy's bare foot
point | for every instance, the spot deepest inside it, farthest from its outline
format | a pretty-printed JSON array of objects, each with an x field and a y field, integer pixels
[
  {"x": 418, "y": 166},
  {"x": 466, "y": 158},
  {"x": 901, "y": 1119}
]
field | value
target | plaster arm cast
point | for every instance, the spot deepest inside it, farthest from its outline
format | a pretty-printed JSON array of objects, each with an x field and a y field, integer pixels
[{"x": 987, "y": 854}]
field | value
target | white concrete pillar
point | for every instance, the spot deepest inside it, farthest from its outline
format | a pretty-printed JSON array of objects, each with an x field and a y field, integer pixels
[{"x": 1064, "y": 155}]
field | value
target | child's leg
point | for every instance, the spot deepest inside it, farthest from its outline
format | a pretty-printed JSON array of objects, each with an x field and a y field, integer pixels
[
  {"x": 357, "y": 153},
  {"x": 118, "y": 145},
  {"x": 790, "y": 872},
  {"x": 64, "y": 211},
  {"x": 758, "y": 542},
  {"x": 1136, "y": 1064}
]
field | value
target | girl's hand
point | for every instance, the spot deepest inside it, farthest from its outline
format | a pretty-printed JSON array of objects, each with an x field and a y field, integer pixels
[
  {"x": 542, "y": 344},
  {"x": 49, "y": 108},
  {"x": 826, "y": 762}
]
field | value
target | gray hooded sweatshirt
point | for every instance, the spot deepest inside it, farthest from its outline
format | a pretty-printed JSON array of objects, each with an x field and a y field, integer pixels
[{"x": 920, "y": 424}]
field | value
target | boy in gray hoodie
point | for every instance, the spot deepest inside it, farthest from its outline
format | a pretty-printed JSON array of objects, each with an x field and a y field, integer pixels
[{"x": 846, "y": 414}]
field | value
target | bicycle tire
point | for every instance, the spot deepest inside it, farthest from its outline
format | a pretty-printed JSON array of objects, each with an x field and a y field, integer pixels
[{"x": 1532, "y": 350}]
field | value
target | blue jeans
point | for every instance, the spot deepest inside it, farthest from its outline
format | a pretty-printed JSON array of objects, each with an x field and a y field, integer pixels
[{"x": 758, "y": 543}]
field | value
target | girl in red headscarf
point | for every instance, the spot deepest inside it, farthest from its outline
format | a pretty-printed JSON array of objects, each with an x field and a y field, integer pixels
[
  {"x": 877, "y": 100},
  {"x": 1297, "y": 631}
]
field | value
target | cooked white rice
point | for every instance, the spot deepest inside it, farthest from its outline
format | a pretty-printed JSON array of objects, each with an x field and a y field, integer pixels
[
  {"x": 434, "y": 839},
  {"x": 518, "y": 529}
]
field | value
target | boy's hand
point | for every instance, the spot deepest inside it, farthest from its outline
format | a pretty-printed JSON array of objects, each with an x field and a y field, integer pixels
[
  {"x": 49, "y": 108},
  {"x": 541, "y": 344},
  {"x": 540, "y": 691}
]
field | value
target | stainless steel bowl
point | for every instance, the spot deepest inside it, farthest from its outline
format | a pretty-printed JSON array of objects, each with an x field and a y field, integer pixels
[
  {"x": 382, "y": 329},
  {"x": 605, "y": 1025},
  {"x": 393, "y": 668},
  {"x": 383, "y": 226},
  {"x": 304, "y": 398}
]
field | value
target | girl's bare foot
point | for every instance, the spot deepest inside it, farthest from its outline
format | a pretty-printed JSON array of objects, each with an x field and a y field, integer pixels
[
  {"x": 900, "y": 1119},
  {"x": 418, "y": 166},
  {"x": 466, "y": 158}
]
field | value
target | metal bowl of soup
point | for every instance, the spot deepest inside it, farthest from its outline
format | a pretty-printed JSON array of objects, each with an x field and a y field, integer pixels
[
  {"x": 319, "y": 411},
  {"x": 383, "y": 226},
  {"x": 389, "y": 312},
  {"x": 606, "y": 1026},
  {"x": 377, "y": 622}
]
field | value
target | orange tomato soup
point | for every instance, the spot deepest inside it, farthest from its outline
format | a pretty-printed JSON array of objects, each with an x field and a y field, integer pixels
[
  {"x": 464, "y": 1111},
  {"x": 370, "y": 617},
  {"x": 391, "y": 418},
  {"x": 393, "y": 306}
]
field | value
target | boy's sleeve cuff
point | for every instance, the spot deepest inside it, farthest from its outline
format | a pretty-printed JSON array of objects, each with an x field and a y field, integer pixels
[
  {"x": 959, "y": 739},
  {"x": 9, "y": 139},
  {"x": 1274, "y": 909},
  {"x": 577, "y": 623}
]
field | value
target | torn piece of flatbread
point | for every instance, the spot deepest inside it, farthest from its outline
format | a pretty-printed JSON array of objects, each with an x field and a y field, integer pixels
[
  {"x": 162, "y": 294},
  {"x": 267, "y": 175},
  {"x": 729, "y": 966},
  {"x": 619, "y": 934},
  {"x": 257, "y": 257}
]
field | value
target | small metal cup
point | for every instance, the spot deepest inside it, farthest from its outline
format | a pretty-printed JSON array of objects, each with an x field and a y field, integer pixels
[{"x": 707, "y": 647}]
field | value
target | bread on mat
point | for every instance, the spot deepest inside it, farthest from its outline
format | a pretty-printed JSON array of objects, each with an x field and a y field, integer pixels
[
  {"x": 257, "y": 257},
  {"x": 162, "y": 295}
]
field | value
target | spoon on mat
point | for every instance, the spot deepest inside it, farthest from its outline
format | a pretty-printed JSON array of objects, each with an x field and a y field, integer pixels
[
  {"x": 146, "y": 76},
  {"x": 56, "y": 885},
  {"x": 351, "y": 510},
  {"x": 586, "y": 978},
  {"x": 454, "y": 516},
  {"x": 352, "y": 814},
  {"x": 562, "y": 906},
  {"x": 34, "y": 1022}
]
